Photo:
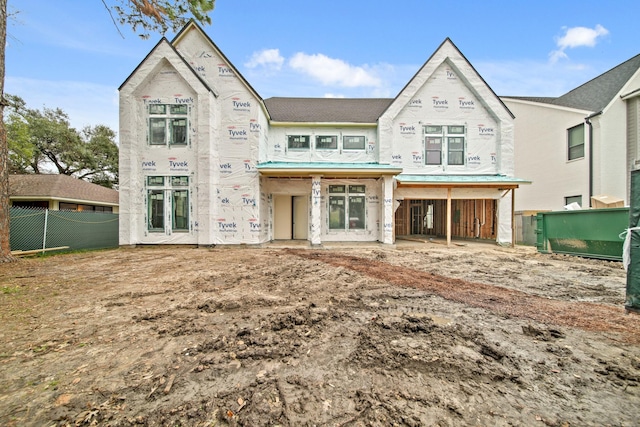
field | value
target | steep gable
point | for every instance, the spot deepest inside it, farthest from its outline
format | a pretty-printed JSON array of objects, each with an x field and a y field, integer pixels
[{"x": 449, "y": 55}]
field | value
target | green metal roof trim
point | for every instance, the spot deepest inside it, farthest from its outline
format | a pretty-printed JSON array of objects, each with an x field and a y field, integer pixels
[
  {"x": 325, "y": 165},
  {"x": 463, "y": 179}
]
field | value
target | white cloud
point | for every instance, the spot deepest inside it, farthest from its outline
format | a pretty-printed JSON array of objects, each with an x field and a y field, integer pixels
[
  {"x": 267, "y": 58},
  {"x": 577, "y": 37},
  {"x": 330, "y": 71}
]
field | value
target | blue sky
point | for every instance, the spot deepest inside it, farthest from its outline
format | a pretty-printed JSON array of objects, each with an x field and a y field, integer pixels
[{"x": 69, "y": 54}]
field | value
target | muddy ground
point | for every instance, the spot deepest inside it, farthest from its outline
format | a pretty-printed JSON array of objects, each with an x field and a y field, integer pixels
[{"x": 416, "y": 334}]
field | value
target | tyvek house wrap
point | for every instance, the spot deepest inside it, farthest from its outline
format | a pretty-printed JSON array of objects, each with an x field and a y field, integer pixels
[
  {"x": 240, "y": 210},
  {"x": 225, "y": 129},
  {"x": 162, "y": 78},
  {"x": 448, "y": 91}
]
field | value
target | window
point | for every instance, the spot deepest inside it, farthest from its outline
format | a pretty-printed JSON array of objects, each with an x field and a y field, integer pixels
[
  {"x": 353, "y": 142},
  {"x": 575, "y": 137},
  {"x": 168, "y": 124},
  {"x": 573, "y": 199},
  {"x": 347, "y": 207},
  {"x": 435, "y": 140},
  {"x": 168, "y": 197},
  {"x": 326, "y": 142},
  {"x": 298, "y": 142}
]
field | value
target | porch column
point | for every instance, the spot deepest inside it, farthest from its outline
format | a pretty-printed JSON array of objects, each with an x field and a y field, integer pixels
[
  {"x": 448, "y": 216},
  {"x": 387, "y": 209},
  {"x": 316, "y": 211}
]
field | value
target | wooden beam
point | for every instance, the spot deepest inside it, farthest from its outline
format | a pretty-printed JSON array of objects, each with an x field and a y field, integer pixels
[{"x": 449, "y": 216}]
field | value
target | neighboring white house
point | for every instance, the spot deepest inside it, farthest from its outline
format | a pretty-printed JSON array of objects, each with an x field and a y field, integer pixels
[
  {"x": 582, "y": 144},
  {"x": 205, "y": 160}
]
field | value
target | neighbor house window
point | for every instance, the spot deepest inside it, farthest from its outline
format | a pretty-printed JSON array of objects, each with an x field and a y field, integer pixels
[
  {"x": 444, "y": 145},
  {"x": 573, "y": 199},
  {"x": 353, "y": 142},
  {"x": 167, "y": 199},
  {"x": 326, "y": 142},
  {"x": 575, "y": 137},
  {"x": 347, "y": 207},
  {"x": 168, "y": 124}
]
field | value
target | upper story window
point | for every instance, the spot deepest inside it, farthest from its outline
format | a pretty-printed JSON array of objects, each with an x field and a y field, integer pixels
[
  {"x": 353, "y": 142},
  {"x": 168, "y": 124},
  {"x": 575, "y": 142},
  {"x": 326, "y": 142},
  {"x": 298, "y": 142},
  {"x": 444, "y": 145}
]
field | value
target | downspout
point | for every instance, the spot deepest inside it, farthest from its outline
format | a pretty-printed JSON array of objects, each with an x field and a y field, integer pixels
[{"x": 590, "y": 133}]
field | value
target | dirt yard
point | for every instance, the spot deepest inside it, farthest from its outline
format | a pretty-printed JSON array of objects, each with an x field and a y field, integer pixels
[{"x": 416, "y": 334}]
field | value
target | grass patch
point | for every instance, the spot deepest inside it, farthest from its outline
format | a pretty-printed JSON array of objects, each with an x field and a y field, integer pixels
[{"x": 10, "y": 290}]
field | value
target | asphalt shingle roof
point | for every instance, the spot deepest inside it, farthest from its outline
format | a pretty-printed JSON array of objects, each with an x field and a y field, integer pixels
[
  {"x": 61, "y": 187},
  {"x": 326, "y": 110}
]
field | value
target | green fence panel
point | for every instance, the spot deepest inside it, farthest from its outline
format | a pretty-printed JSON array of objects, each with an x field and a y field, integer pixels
[
  {"x": 26, "y": 228},
  {"x": 77, "y": 230},
  {"x": 593, "y": 233}
]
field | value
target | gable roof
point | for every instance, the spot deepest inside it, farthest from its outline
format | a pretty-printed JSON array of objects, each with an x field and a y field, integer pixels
[
  {"x": 479, "y": 87},
  {"x": 193, "y": 24},
  {"x": 56, "y": 186},
  {"x": 595, "y": 94},
  {"x": 326, "y": 110},
  {"x": 164, "y": 41}
]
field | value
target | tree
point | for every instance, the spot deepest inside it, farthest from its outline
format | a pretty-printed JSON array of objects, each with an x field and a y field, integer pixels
[
  {"x": 41, "y": 141},
  {"x": 5, "y": 248},
  {"x": 161, "y": 15},
  {"x": 149, "y": 15}
]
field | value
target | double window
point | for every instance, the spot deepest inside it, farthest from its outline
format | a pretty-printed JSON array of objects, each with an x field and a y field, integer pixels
[
  {"x": 326, "y": 142},
  {"x": 167, "y": 203},
  {"x": 168, "y": 124},
  {"x": 444, "y": 145},
  {"x": 347, "y": 207},
  {"x": 575, "y": 142}
]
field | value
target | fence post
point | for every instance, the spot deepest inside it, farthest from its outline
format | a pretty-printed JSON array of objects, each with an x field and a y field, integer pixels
[{"x": 44, "y": 237}]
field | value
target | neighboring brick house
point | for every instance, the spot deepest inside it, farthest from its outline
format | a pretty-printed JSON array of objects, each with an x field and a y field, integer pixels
[
  {"x": 205, "y": 160},
  {"x": 60, "y": 192},
  {"x": 580, "y": 145}
]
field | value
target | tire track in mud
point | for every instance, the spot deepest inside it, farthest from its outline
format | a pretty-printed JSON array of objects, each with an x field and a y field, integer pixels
[{"x": 503, "y": 301}]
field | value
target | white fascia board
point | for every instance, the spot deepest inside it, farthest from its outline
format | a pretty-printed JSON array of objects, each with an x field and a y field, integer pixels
[{"x": 546, "y": 105}]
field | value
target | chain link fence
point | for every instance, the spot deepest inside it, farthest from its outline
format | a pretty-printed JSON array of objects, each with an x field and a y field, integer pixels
[{"x": 41, "y": 229}]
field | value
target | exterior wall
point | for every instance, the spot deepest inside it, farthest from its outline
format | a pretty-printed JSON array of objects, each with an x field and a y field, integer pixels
[
  {"x": 610, "y": 151},
  {"x": 541, "y": 156}
]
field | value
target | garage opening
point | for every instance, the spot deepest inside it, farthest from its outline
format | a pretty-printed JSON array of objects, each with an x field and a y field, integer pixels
[{"x": 470, "y": 219}]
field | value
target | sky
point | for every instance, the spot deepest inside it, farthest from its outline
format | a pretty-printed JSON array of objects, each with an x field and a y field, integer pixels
[{"x": 69, "y": 54}]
